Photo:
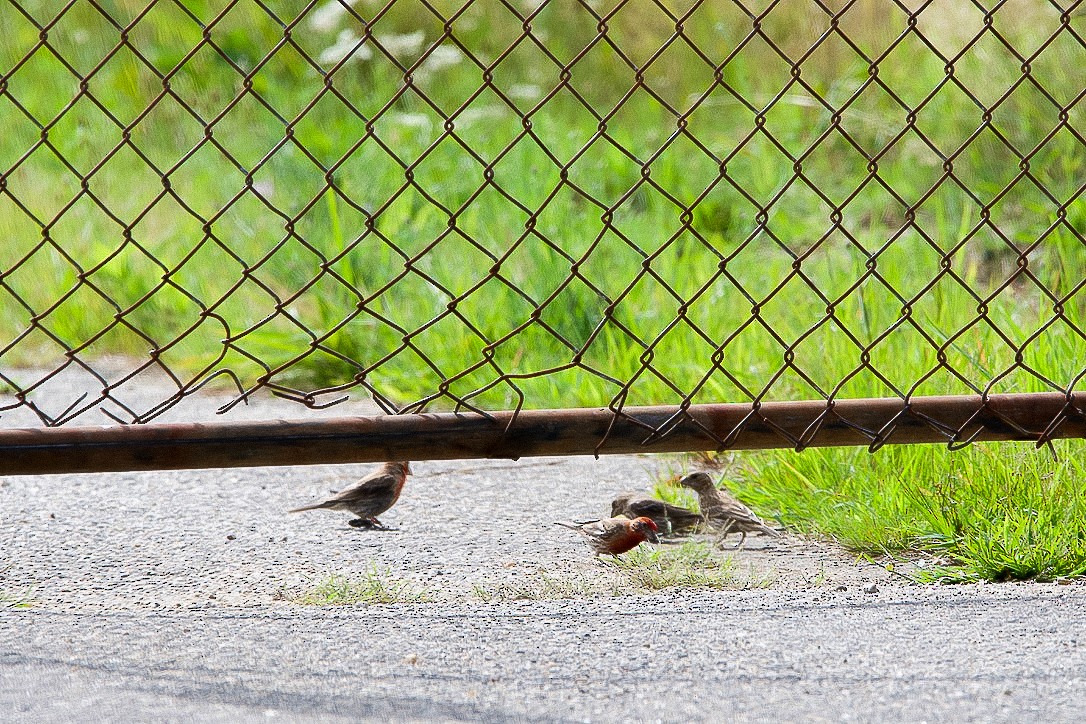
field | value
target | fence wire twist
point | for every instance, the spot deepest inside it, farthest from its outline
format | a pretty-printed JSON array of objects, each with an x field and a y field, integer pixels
[{"x": 496, "y": 204}]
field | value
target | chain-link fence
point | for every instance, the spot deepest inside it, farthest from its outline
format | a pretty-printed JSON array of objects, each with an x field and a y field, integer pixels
[{"x": 505, "y": 205}]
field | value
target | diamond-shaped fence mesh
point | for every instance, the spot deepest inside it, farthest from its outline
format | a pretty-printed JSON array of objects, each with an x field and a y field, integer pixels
[{"x": 523, "y": 204}]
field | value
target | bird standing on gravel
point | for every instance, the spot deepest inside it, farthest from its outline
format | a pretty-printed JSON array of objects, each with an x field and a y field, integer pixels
[
  {"x": 722, "y": 511},
  {"x": 667, "y": 517},
  {"x": 371, "y": 496},
  {"x": 615, "y": 535}
]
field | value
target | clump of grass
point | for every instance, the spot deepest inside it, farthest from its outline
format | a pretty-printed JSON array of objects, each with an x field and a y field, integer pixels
[
  {"x": 993, "y": 512},
  {"x": 24, "y": 599},
  {"x": 689, "y": 565},
  {"x": 373, "y": 587}
]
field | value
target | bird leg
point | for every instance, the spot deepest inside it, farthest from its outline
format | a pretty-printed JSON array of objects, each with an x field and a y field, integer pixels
[
  {"x": 724, "y": 533},
  {"x": 378, "y": 525}
]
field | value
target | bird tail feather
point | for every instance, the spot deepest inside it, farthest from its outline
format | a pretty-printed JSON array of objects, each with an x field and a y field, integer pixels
[
  {"x": 568, "y": 524},
  {"x": 315, "y": 506}
]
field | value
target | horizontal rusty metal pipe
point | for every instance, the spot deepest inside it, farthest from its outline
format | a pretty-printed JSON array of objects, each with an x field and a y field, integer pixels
[{"x": 443, "y": 436}]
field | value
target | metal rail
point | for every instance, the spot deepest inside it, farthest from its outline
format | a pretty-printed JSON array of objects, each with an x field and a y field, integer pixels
[{"x": 816, "y": 423}]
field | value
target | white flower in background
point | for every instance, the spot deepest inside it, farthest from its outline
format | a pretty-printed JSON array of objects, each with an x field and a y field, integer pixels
[
  {"x": 471, "y": 115},
  {"x": 413, "y": 120},
  {"x": 346, "y": 45},
  {"x": 326, "y": 18},
  {"x": 265, "y": 187},
  {"x": 403, "y": 43},
  {"x": 443, "y": 56},
  {"x": 525, "y": 92}
]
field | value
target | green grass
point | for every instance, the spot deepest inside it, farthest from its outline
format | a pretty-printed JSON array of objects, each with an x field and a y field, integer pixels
[
  {"x": 989, "y": 512},
  {"x": 668, "y": 490},
  {"x": 643, "y": 570},
  {"x": 24, "y": 599},
  {"x": 373, "y": 587},
  {"x": 688, "y": 565}
]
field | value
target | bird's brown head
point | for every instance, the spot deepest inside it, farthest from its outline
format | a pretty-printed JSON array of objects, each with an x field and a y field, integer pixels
[
  {"x": 697, "y": 481},
  {"x": 403, "y": 466},
  {"x": 618, "y": 505},
  {"x": 646, "y": 527}
]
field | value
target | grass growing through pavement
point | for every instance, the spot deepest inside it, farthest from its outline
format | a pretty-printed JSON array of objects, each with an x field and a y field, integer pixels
[
  {"x": 16, "y": 600},
  {"x": 374, "y": 587},
  {"x": 687, "y": 565},
  {"x": 989, "y": 512},
  {"x": 642, "y": 570}
]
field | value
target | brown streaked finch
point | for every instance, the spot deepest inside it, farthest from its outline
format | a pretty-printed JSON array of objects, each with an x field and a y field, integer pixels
[
  {"x": 723, "y": 511},
  {"x": 667, "y": 517},
  {"x": 371, "y": 496},
  {"x": 615, "y": 535}
]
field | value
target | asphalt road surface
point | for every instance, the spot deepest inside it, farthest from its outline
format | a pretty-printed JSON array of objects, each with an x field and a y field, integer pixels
[{"x": 173, "y": 596}]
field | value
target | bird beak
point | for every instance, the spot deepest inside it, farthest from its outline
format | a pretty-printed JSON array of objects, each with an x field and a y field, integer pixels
[{"x": 651, "y": 537}]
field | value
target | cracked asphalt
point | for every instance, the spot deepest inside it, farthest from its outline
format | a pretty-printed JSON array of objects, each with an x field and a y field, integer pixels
[{"x": 167, "y": 596}]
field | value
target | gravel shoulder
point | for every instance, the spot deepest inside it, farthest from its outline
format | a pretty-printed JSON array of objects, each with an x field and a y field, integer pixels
[
  {"x": 176, "y": 539},
  {"x": 167, "y": 596}
]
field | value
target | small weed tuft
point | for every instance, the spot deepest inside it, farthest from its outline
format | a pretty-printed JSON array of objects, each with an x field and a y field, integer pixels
[
  {"x": 374, "y": 587},
  {"x": 689, "y": 565},
  {"x": 17, "y": 600}
]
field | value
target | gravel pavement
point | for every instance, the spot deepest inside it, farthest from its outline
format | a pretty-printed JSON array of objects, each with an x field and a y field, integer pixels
[{"x": 172, "y": 596}]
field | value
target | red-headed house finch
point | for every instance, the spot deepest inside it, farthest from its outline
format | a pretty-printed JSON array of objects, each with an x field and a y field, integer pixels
[
  {"x": 667, "y": 517},
  {"x": 722, "y": 511},
  {"x": 615, "y": 535},
  {"x": 371, "y": 496}
]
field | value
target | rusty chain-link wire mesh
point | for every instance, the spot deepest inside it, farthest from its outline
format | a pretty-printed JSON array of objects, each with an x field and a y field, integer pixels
[{"x": 499, "y": 204}]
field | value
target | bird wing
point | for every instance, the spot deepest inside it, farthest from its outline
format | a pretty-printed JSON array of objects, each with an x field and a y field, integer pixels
[
  {"x": 733, "y": 510},
  {"x": 607, "y": 529},
  {"x": 374, "y": 485},
  {"x": 644, "y": 505},
  {"x": 652, "y": 508},
  {"x": 636, "y": 504}
]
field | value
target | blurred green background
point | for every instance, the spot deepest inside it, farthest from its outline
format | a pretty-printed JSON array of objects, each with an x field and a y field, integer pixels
[{"x": 770, "y": 201}]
